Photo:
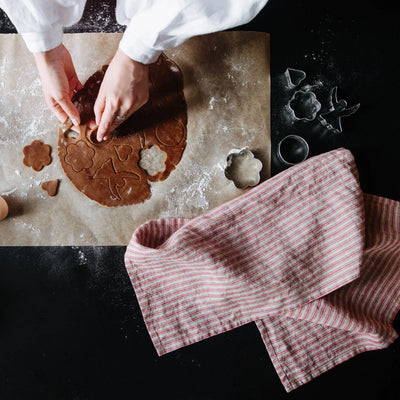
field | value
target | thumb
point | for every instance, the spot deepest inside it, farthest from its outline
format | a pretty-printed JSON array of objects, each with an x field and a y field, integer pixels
[{"x": 69, "y": 108}]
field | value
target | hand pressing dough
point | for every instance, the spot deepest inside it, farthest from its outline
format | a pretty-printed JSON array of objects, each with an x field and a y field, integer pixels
[
  {"x": 50, "y": 187},
  {"x": 109, "y": 172},
  {"x": 37, "y": 155}
]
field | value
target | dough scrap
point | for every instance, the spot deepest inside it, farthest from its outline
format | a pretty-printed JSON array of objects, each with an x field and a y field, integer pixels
[
  {"x": 51, "y": 187},
  {"x": 37, "y": 155},
  {"x": 109, "y": 172}
]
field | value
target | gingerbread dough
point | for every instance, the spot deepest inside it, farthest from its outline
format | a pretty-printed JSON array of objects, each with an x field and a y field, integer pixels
[
  {"x": 109, "y": 172},
  {"x": 37, "y": 155},
  {"x": 50, "y": 187}
]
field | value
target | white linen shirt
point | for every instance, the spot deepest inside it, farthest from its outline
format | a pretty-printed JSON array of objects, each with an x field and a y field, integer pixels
[{"x": 151, "y": 25}]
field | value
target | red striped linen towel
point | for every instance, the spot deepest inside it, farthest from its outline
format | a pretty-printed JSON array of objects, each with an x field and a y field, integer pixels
[
  {"x": 291, "y": 240},
  {"x": 286, "y": 254},
  {"x": 311, "y": 339}
]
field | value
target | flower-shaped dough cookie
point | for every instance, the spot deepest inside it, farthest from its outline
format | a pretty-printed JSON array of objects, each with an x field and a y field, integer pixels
[{"x": 37, "y": 155}]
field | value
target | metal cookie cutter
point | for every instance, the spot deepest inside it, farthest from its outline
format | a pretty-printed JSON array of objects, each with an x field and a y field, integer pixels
[
  {"x": 304, "y": 105},
  {"x": 332, "y": 120},
  {"x": 243, "y": 168},
  {"x": 292, "y": 149},
  {"x": 294, "y": 77}
]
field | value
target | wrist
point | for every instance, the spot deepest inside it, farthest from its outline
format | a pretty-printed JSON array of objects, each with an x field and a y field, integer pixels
[
  {"x": 133, "y": 68},
  {"x": 135, "y": 49},
  {"x": 38, "y": 42},
  {"x": 121, "y": 56},
  {"x": 44, "y": 56}
]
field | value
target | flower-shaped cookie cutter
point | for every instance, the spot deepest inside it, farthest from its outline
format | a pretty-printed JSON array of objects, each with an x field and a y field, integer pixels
[
  {"x": 243, "y": 168},
  {"x": 304, "y": 105}
]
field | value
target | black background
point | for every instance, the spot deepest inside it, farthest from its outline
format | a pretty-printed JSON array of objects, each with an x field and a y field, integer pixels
[{"x": 70, "y": 325}]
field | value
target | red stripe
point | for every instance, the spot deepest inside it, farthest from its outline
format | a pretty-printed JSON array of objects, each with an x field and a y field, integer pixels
[{"x": 203, "y": 276}]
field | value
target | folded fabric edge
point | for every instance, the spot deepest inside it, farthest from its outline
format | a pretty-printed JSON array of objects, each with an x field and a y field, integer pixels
[
  {"x": 291, "y": 384},
  {"x": 377, "y": 208},
  {"x": 342, "y": 156}
]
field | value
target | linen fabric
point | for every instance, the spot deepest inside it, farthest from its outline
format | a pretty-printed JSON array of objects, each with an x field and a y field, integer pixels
[
  {"x": 311, "y": 339},
  {"x": 152, "y": 26},
  {"x": 295, "y": 254}
]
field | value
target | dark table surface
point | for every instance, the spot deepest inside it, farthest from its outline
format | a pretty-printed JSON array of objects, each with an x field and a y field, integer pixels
[{"x": 70, "y": 325}]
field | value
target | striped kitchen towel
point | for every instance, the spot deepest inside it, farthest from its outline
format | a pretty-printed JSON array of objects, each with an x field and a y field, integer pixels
[
  {"x": 311, "y": 339},
  {"x": 281, "y": 247}
]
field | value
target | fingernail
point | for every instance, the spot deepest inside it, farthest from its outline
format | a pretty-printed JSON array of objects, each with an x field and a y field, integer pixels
[{"x": 75, "y": 122}]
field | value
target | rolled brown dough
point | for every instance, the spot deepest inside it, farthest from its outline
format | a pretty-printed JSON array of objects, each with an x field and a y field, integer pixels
[{"x": 109, "y": 172}]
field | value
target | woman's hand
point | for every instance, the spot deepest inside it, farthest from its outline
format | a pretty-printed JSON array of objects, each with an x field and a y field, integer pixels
[
  {"x": 125, "y": 88},
  {"x": 59, "y": 82}
]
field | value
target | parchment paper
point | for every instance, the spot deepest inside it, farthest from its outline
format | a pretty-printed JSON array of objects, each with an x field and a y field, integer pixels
[{"x": 227, "y": 89}]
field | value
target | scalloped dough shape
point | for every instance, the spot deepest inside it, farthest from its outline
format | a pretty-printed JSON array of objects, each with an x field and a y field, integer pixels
[{"x": 37, "y": 155}]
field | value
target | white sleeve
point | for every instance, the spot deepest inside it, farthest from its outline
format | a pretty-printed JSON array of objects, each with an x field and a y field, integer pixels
[
  {"x": 41, "y": 22},
  {"x": 157, "y": 25}
]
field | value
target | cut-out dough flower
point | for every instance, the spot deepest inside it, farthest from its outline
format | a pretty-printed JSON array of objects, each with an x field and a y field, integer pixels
[
  {"x": 243, "y": 169},
  {"x": 37, "y": 155},
  {"x": 79, "y": 156}
]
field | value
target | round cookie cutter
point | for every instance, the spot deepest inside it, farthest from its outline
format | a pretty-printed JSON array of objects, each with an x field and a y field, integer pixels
[{"x": 292, "y": 149}]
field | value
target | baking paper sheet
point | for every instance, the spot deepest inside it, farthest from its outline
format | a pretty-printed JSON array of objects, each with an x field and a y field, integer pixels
[{"x": 227, "y": 89}]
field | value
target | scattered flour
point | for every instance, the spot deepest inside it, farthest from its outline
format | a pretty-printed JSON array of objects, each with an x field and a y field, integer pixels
[
  {"x": 28, "y": 227},
  {"x": 81, "y": 256},
  {"x": 103, "y": 20},
  {"x": 216, "y": 100},
  {"x": 9, "y": 192},
  {"x": 192, "y": 192}
]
